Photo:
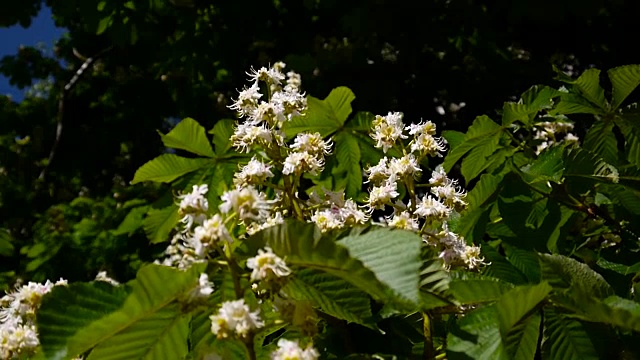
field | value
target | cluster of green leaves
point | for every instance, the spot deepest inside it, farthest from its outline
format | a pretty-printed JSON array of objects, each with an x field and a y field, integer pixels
[
  {"x": 552, "y": 288},
  {"x": 537, "y": 214}
]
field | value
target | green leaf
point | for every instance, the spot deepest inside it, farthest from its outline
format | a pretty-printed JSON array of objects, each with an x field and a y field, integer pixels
[
  {"x": 168, "y": 167},
  {"x": 477, "y": 336},
  {"x": 522, "y": 339},
  {"x": 159, "y": 223},
  {"x": 477, "y": 289},
  {"x": 68, "y": 309},
  {"x": 331, "y": 295},
  {"x": 362, "y": 121},
  {"x": 133, "y": 221},
  {"x": 222, "y": 132},
  {"x": 479, "y": 136},
  {"x": 563, "y": 272},
  {"x": 631, "y": 132},
  {"x": 348, "y": 153},
  {"x": 188, "y": 135},
  {"x": 303, "y": 245},
  {"x": 624, "y": 80},
  {"x": 512, "y": 112},
  {"x": 104, "y": 24},
  {"x": 619, "y": 268},
  {"x": 613, "y": 310},
  {"x": 525, "y": 261},
  {"x": 588, "y": 84},
  {"x": 484, "y": 191},
  {"x": 6, "y": 247},
  {"x": 454, "y": 138},
  {"x": 393, "y": 255},
  {"x": 601, "y": 141},
  {"x": 517, "y": 303},
  {"x": 323, "y": 116},
  {"x": 574, "y": 104},
  {"x": 540, "y": 97},
  {"x": 149, "y": 325},
  {"x": 549, "y": 166},
  {"x": 565, "y": 339}
]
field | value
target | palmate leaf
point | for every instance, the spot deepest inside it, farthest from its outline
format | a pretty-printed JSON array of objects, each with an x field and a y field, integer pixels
[
  {"x": 533, "y": 100},
  {"x": 601, "y": 141},
  {"x": 68, "y": 309},
  {"x": 565, "y": 339},
  {"x": 323, "y": 116},
  {"x": 624, "y": 80},
  {"x": 168, "y": 167},
  {"x": 159, "y": 223},
  {"x": 148, "y": 324},
  {"x": 588, "y": 85},
  {"x": 469, "y": 288},
  {"x": 222, "y": 132},
  {"x": 631, "y": 132},
  {"x": 508, "y": 329},
  {"x": 522, "y": 339},
  {"x": 517, "y": 303},
  {"x": 613, "y": 310},
  {"x": 348, "y": 153},
  {"x": 304, "y": 246},
  {"x": 393, "y": 255},
  {"x": 478, "y": 136},
  {"x": 331, "y": 295},
  {"x": 477, "y": 336},
  {"x": 188, "y": 135}
]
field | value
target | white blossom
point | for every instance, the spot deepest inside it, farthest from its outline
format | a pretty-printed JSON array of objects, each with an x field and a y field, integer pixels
[
  {"x": 302, "y": 162},
  {"x": 379, "y": 196},
  {"x": 202, "y": 290},
  {"x": 247, "y": 101},
  {"x": 451, "y": 195},
  {"x": 427, "y": 144},
  {"x": 266, "y": 263},
  {"x": 247, "y": 202},
  {"x": 311, "y": 143},
  {"x": 235, "y": 317},
  {"x": 102, "y": 276},
  {"x": 422, "y": 128},
  {"x": 271, "y": 75},
  {"x": 273, "y": 220},
  {"x": 404, "y": 166},
  {"x": 291, "y": 350},
  {"x": 378, "y": 173},
  {"x": 387, "y": 130},
  {"x": 246, "y": 136},
  {"x": 432, "y": 209},
  {"x": 404, "y": 220},
  {"x": 253, "y": 173},
  {"x": 194, "y": 206},
  {"x": 206, "y": 235}
]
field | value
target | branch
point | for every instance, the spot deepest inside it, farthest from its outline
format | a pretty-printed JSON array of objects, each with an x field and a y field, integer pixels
[{"x": 61, "y": 102}]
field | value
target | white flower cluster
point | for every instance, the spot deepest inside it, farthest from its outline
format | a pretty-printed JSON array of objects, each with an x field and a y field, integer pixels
[
  {"x": 263, "y": 120},
  {"x": 267, "y": 264},
  {"x": 430, "y": 213},
  {"x": 235, "y": 318},
  {"x": 291, "y": 350},
  {"x": 195, "y": 244},
  {"x": 18, "y": 334},
  {"x": 334, "y": 212},
  {"x": 549, "y": 132}
]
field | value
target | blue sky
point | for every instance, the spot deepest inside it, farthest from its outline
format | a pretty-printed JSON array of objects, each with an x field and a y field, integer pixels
[{"x": 42, "y": 30}]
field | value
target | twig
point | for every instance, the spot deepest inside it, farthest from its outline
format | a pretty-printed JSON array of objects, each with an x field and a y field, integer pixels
[{"x": 61, "y": 102}]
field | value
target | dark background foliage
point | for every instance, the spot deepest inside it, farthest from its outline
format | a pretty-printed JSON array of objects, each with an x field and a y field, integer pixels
[{"x": 157, "y": 61}]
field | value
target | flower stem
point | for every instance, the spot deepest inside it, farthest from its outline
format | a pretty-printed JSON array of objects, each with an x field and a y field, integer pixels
[{"x": 429, "y": 351}]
